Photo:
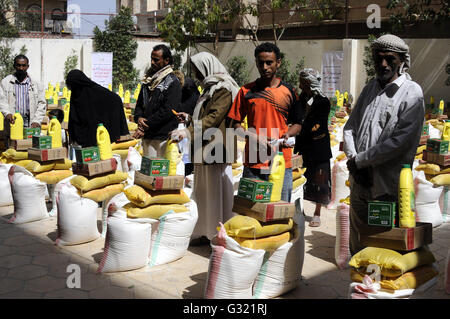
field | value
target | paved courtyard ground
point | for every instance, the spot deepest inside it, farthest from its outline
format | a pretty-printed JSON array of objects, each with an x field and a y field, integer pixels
[{"x": 32, "y": 267}]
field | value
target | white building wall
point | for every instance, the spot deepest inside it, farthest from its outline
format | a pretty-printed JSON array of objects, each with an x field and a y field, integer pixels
[{"x": 428, "y": 56}]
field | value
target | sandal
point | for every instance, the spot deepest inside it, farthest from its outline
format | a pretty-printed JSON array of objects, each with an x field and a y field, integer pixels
[{"x": 315, "y": 222}]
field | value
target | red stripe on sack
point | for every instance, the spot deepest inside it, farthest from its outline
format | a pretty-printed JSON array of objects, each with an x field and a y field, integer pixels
[
  {"x": 216, "y": 259},
  {"x": 159, "y": 182},
  {"x": 410, "y": 238},
  {"x": 269, "y": 212},
  {"x": 113, "y": 164},
  {"x": 105, "y": 251}
]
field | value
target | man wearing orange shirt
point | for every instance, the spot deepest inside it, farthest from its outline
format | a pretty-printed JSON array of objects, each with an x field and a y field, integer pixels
[{"x": 273, "y": 112}]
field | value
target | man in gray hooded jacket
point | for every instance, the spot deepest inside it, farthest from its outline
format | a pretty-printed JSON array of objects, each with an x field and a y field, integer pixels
[{"x": 382, "y": 133}]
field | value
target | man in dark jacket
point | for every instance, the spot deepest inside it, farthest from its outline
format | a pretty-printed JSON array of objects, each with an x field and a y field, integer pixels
[{"x": 160, "y": 93}]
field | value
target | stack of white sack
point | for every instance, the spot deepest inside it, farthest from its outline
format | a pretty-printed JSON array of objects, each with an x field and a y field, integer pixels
[
  {"x": 28, "y": 195},
  {"x": 76, "y": 216},
  {"x": 168, "y": 235}
]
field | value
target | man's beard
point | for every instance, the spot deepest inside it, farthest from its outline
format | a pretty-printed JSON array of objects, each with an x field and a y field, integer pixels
[{"x": 21, "y": 75}]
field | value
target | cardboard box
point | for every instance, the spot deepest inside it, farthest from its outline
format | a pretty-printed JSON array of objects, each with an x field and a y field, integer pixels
[
  {"x": 21, "y": 145},
  {"x": 425, "y": 129},
  {"x": 43, "y": 155},
  {"x": 87, "y": 154},
  {"x": 97, "y": 168},
  {"x": 159, "y": 182},
  {"x": 155, "y": 166},
  {"x": 424, "y": 139},
  {"x": 62, "y": 102},
  {"x": 263, "y": 211},
  {"x": 42, "y": 142},
  {"x": 29, "y": 132},
  {"x": 403, "y": 239},
  {"x": 340, "y": 114},
  {"x": 255, "y": 190},
  {"x": 297, "y": 161},
  {"x": 125, "y": 138},
  {"x": 381, "y": 214},
  {"x": 434, "y": 158},
  {"x": 52, "y": 106},
  {"x": 439, "y": 146}
]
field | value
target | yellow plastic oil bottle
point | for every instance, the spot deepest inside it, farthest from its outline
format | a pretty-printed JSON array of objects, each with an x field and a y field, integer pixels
[
  {"x": 65, "y": 91},
  {"x": 173, "y": 155},
  {"x": 441, "y": 107},
  {"x": 55, "y": 98},
  {"x": 54, "y": 130},
  {"x": 127, "y": 97},
  {"x": 66, "y": 112},
  {"x": 17, "y": 127},
  {"x": 276, "y": 177},
  {"x": 110, "y": 87},
  {"x": 104, "y": 142},
  {"x": 2, "y": 121},
  {"x": 406, "y": 198},
  {"x": 121, "y": 90}
]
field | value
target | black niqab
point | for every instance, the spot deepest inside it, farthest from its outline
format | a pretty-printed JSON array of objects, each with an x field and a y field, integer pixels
[
  {"x": 91, "y": 104},
  {"x": 189, "y": 96}
]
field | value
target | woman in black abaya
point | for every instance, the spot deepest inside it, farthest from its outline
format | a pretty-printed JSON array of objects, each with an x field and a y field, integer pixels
[{"x": 91, "y": 104}]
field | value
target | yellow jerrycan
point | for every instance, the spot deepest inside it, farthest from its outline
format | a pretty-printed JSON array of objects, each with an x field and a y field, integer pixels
[
  {"x": 406, "y": 198},
  {"x": 54, "y": 130},
  {"x": 127, "y": 96},
  {"x": 66, "y": 112},
  {"x": 441, "y": 107},
  {"x": 17, "y": 127},
  {"x": 2, "y": 121},
  {"x": 55, "y": 98},
  {"x": 173, "y": 155},
  {"x": 276, "y": 177},
  {"x": 110, "y": 87},
  {"x": 104, "y": 142}
]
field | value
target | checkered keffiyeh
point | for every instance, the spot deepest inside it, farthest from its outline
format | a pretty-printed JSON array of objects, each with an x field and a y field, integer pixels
[
  {"x": 314, "y": 80},
  {"x": 390, "y": 42}
]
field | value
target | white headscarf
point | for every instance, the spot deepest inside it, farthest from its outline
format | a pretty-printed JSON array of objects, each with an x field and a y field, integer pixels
[
  {"x": 313, "y": 78},
  {"x": 390, "y": 42},
  {"x": 216, "y": 77}
]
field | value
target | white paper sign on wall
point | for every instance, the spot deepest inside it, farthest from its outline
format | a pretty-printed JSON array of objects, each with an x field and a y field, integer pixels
[
  {"x": 332, "y": 72},
  {"x": 102, "y": 66}
]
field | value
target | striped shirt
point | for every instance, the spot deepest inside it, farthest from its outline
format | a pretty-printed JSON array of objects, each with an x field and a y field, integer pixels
[{"x": 23, "y": 100}]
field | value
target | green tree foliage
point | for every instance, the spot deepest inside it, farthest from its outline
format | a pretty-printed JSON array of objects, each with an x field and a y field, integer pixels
[
  {"x": 70, "y": 63},
  {"x": 289, "y": 75},
  {"x": 8, "y": 32},
  {"x": 368, "y": 62},
  {"x": 118, "y": 39},
  {"x": 191, "y": 19},
  {"x": 412, "y": 12},
  {"x": 306, "y": 10},
  {"x": 237, "y": 67},
  {"x": 177, "y": 58}
]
